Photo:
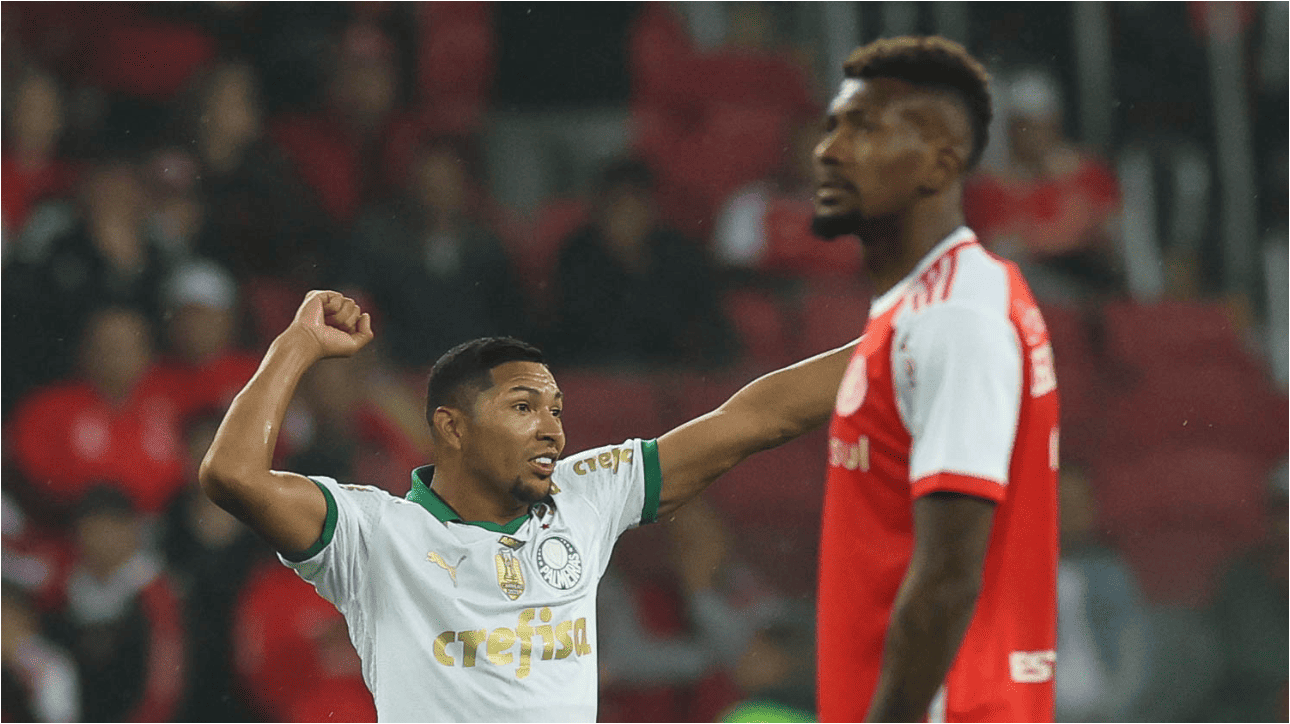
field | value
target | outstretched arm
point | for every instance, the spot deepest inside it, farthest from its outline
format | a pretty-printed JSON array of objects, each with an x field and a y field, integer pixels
[
  {"x": 286, "y": 509},
  {"x": 767, "y": 412}
]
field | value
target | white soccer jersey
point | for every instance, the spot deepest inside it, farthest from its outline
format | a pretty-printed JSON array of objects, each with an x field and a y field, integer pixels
[{"x": 472, "y": 621}]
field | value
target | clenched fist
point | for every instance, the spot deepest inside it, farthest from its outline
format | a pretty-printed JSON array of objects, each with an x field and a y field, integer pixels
[{"x": 333, "y": 322}]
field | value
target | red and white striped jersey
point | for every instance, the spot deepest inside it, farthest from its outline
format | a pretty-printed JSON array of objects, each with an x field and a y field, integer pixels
[{"x": 951, "y": 388}]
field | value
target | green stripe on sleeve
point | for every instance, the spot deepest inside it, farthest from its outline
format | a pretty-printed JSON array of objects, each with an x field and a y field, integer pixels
[
  {"x": 653, "y": 481},
  {"x": 329, "y": 528}
]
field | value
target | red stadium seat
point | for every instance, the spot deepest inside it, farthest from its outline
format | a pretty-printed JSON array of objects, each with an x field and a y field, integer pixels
[
  {"x": 1080, "y": 382},
  {"x": 1180, "y": 484},
  {"x": 605, "y": 408},
  {"x": 456, "y": 61},
  {"x": 1168, "y": 332},
  {"x": 833, "y": 316},
  {"x": 1217, "y": 403},
  {"x": 1180, "y": 566},
  {"x": 763, "y": 325},
  {"x": 1179, "y": 513},
  {"x": 149, "y": 58},
  {"x": 535, "y": 249}
]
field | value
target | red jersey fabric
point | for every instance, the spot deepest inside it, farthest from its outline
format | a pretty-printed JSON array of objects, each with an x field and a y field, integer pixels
[
  {"x": 67, "y": 437},
  {"x": 950, "y": 389}
]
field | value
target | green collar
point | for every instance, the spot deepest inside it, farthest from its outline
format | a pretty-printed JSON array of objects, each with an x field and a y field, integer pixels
[{"x": 422, "y": 494}]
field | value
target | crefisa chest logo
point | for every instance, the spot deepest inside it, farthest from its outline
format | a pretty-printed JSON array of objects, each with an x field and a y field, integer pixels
[{"x": 559, "y": 563}]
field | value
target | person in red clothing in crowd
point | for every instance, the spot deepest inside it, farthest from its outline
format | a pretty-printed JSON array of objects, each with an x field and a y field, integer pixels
[
  {"x": 293, "y": 654},
  {"x": 1053, "y": 207},
  {"x": 206, "y": 367},
  {"x": 122, "y": 622},
  {"x": 31, "y": 168},
  {"x": 338, "y": 152},
  {"x": 938, "y": 556},
  {"x": 764, "y": 226},
  {"x": 115, "y": 420}
]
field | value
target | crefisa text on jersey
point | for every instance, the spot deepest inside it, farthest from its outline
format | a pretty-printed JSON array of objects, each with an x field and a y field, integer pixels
[{"x": 558, "y": 642}]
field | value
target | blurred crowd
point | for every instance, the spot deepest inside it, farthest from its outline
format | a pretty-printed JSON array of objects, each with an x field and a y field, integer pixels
[{"x": 176, "y": 176}]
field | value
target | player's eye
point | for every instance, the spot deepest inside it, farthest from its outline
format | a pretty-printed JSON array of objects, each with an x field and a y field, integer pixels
[
  {"x": 523, "y": 406},
  {"x": 555, "y": 411}
]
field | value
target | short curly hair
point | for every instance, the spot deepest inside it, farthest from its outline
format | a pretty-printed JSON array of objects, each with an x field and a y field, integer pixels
[{"x": 934, "y": 62}]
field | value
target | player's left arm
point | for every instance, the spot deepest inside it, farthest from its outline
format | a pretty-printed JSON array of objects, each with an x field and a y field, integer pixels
[
  {"x": 769, "y": 411},
  {"x": 934, "y": 604},
  {"x": 959, "y": 381}
]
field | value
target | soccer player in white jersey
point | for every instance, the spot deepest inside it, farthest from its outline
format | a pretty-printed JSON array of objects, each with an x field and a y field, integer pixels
[{"x": 474, "y": 598}]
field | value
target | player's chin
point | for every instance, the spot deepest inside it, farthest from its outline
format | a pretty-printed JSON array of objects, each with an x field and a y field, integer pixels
[
  {"x": 531, "y": 488},
  {"x": 829, "y": 223}
]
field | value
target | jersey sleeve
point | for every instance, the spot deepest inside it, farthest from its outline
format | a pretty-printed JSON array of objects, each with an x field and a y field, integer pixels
[
  {"x": 334, "y": 564},
  {"x": 958, "y": 381},
  {"x": 621, "y": 482}
]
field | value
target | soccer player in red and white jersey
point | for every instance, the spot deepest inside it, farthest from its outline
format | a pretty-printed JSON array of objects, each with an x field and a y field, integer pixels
[{"x": 938, "y": 566}]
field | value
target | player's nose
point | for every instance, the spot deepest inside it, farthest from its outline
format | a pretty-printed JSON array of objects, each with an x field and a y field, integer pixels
[{"x": 551, "y": 429}]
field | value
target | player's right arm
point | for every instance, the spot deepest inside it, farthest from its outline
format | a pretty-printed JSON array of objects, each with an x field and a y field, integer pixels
[{"x": 286, "y": 509}]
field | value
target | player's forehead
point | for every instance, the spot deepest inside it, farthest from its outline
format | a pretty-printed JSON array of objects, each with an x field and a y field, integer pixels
[
  {"x": 877, "y": 95},
  {"x": 521, "y": 377}
]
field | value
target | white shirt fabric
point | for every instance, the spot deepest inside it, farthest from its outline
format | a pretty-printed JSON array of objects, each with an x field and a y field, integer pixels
[
  {"x": 462, "y": 621},
  {"x": 956, "y": 364}
]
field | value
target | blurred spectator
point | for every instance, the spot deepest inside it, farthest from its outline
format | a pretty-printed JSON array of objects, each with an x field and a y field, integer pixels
[
  {"x": 765, "y": 226},
  {"x": 339, "y": 151},
  {"x": 668, "y": 652},
  {"x": 115, "y": 421},
  {"x": 259, "y": 218},
  {"x": 40, "y": 681},
  {"x": 107, "y": 259},
  {"x": 122, "y": 622},
  {"x": 438, "y": 273},
  {"x": 32, "y": 168},
  {"x": 210, "y": 554},
  {"x": 632, "y": 291},
  {"x": 354, "y": 421},
  {"x": 205, "y": 367},
  {"x": 1102, "y": 638},
  {"x": 36, "y": 558},
  {"x": 177, "y": 211},
  {"x": 1250, "y": 615},
  {"x": 1053, "y": 207},
  {"x": 777, "y": 670}
]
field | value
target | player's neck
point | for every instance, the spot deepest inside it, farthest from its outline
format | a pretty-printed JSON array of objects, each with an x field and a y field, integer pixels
[
  {"x": 471, "y": 498},
  {"x": 893, "y": 247}
]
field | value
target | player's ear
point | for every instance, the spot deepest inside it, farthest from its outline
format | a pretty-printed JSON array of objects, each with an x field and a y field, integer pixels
[
  {"x": 449, "y": 424},
  {"x": 947, "y": 164}
]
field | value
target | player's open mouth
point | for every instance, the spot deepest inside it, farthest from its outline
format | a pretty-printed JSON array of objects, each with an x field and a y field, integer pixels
[{"x": 544, "y": 463}]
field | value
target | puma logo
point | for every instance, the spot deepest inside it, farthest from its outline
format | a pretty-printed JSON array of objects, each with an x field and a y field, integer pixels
[{"x": 438, "y": 560}]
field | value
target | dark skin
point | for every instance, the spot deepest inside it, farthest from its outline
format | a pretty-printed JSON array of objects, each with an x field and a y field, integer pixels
[{"x": 892, "y": 160}]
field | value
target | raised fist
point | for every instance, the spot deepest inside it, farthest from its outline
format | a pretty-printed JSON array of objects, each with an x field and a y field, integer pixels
[{"x": 334, "y": 322}]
